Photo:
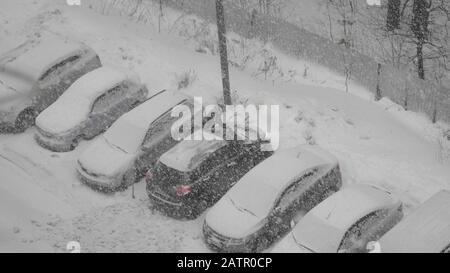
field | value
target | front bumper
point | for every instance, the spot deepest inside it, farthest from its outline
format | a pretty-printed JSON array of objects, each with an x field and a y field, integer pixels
[
  {"x": 54, "y": 143},
  {"x": 100, "y": 183},
  {"x": 221, "y": 243}
]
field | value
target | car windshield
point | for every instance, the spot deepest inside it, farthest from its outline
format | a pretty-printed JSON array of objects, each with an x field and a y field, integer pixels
[
  {"x": 255, "y": 198},
  {"x": 126, "y": 136}
]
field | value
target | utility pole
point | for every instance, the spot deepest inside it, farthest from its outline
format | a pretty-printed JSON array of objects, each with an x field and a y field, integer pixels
[{"x": 223, "y": 52}]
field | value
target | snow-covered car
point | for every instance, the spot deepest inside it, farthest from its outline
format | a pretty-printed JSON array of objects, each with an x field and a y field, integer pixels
[
  {"x": 345, "y": 222},
  {"x": 35, "y": 74},
  {"x": 88, "y": 107},
  {"x": 425, "y": 230},
  {"x": 195, "y": 174},
  {"x": 260, "y": 207},
  {"x": 123, "y": 154}
]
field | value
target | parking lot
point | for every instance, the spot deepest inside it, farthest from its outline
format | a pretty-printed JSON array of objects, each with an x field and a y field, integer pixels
[{"x": 45, "y": 205}]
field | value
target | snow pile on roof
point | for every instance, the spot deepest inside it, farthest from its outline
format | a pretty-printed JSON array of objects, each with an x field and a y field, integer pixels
[
  {"x": 425, "y": 230},
  {"x": 75, "y": 104},
  {"x": 188, "y": 154},
  {"x": 21, "y": 67},
  {"x": 323, "y": 228}
]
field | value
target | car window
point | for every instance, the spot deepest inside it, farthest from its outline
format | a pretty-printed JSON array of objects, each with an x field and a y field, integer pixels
[
  {"x": 161, "y": 127},
  {"x": 292, "y": 192},
  {"x": 215, "y": 159},
  {"x": 288, "y": 196},
  {"x": 353, "y": 239},
  {"x": 109, "y": 98},
  {"x": 59, "y": 66}
]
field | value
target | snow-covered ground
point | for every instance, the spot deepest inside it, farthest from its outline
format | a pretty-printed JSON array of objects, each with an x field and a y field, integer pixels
[{"x": 43, "y": 205}]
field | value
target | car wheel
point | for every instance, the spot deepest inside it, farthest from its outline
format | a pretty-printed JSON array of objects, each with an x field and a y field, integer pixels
[
  {"x": 75, "y": 143},
  {"x": 25, "y": 120},
  {"x": 261, "y": 243},
  {"x": 201, "y": 207}
]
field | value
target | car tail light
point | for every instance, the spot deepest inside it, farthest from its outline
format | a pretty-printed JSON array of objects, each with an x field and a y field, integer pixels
[{"x": 182, "y": 190}]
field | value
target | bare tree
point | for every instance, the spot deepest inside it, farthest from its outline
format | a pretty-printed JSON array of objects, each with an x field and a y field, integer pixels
[{"x": 221, "y": 30}]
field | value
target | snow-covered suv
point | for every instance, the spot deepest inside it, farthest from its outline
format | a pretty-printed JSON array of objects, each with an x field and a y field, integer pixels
[
  {"x": 88, "y": 107},
  {"x": 194, "y": 174},
  {"x": 35, "y": 74},
  {"x": 261, "y": 206}
]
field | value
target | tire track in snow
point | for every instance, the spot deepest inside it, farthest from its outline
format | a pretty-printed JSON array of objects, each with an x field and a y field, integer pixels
[{"x": 124, "y": 227}]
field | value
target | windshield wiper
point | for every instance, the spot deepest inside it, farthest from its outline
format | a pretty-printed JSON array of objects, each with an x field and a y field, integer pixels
[
  {"x": 241, "y": 208},
  {"x": 111, "y": 144}
]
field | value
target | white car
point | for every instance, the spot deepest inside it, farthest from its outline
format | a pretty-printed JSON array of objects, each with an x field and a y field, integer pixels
[
  {"x": 35, "y": 74},
  {"x": 125, "y": 152},
  {"x": 259, "y": 208},
  {"x": 345, "y": 222},
  {"x": 88, "y": 108},
  {"x": 425, "y": 230}
]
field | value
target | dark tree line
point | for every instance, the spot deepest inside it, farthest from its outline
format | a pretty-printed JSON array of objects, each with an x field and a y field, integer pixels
[{"x": 424, "y": 24}]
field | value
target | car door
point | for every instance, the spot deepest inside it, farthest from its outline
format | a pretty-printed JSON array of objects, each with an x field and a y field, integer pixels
[
  {"x": 157, "y": 141},
  {"x": 105, "y": 109},
  {"x": 51, "y": 86},
  {"x": 119, "y": 101},
  {"x": 367, "y": 228},
  {"x": 217, "y": 173}
]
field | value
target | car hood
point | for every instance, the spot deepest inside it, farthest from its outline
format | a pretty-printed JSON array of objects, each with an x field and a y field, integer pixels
[
  {"x": 103, "y": 158},
  {"x": 289, "y": 245},
  {"x": 318, "y": 236},
  {"x": 62, "y": 116},
  {"x": 232, "y": 221}
]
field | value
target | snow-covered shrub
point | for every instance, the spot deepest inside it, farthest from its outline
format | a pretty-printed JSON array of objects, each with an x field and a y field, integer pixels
[
  {"x": 185, "y": 79},
  {"x": 236, "y": 99}
]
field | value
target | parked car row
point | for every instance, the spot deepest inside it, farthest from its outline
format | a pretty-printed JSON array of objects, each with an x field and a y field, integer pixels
[
  {"x": 290, "y": 199},
  {"x": 35, "y": 74}
]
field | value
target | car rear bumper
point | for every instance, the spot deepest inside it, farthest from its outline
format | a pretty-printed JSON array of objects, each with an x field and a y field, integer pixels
[{"x": 175, "y": 209}]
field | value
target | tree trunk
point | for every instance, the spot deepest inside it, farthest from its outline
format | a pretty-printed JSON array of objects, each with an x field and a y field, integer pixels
[
  {"x": 393, "y": 15},
  {"x": 419, "y": 26},
  {"x": 420, "y": 68},
  {"x": 223, "y": 52}
]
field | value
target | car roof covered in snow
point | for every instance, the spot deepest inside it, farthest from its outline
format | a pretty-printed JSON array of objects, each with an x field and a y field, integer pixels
[
  {"x": 188, "y": 154},
  {"x": 427, "y": 229},
  {"x": 323, "y": 228},
  {"x": 146, "y": 113},
  {"x": 21, "y": 67},
  {"x": 269, "y": 178},
  {"x": 75, "y": 104},
  {"x": 139, "y": 119}
]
